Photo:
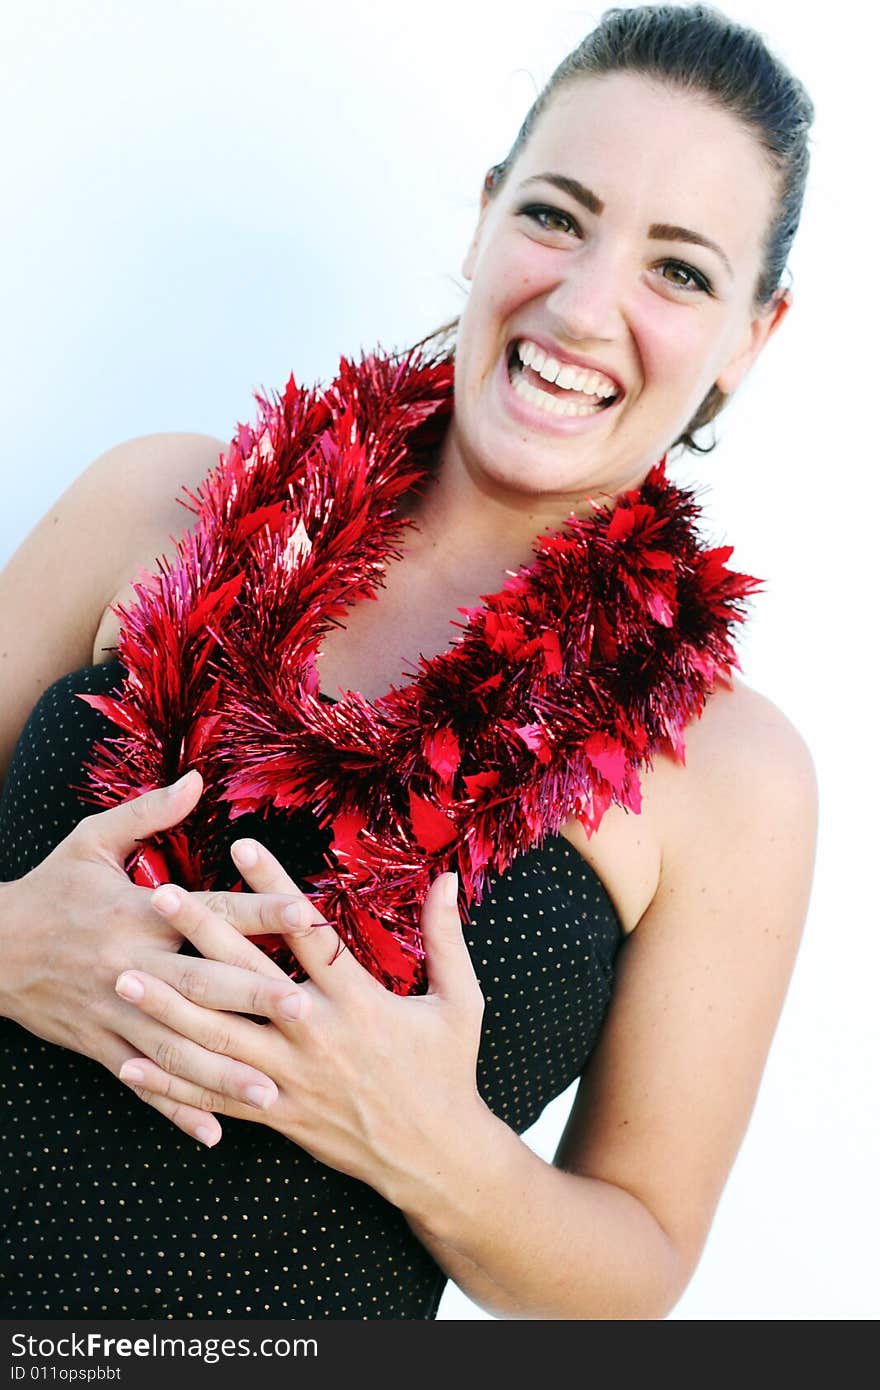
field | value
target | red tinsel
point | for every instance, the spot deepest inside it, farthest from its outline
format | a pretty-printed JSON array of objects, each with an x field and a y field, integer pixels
[{"x": 586, "y": 663}]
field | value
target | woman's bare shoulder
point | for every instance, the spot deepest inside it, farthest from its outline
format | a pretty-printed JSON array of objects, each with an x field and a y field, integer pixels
[
  {"x": 158, "y": 471},
  {"x": 745, "y": 760},
  {"x": 152, "y": 473},
  {"x": 116, "y": 514},
  {"x": 741, "y": 753},
  {"x": 741, "y": 728}
]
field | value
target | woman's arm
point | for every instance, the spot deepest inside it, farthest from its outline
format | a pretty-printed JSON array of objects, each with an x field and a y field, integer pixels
[
  {"x": 384, "y": 1088},
  {"x": 666, "y": 1098},
  {"x": 68, "y": 926},
  {"x": 525, "y": 1240}
]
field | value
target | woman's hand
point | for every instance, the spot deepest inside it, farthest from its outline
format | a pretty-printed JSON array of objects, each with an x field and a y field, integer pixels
[
  {"x": 368, "y": 1081},
  {"x": 76, "y": 920}
]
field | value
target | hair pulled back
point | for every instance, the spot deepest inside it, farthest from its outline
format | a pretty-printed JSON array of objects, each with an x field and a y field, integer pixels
[{"x": 697, "y": 49}]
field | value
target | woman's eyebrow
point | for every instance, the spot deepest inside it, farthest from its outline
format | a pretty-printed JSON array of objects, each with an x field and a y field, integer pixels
[
  {"x": 585, "y": 196},
  {"x": 658, "y": 231},
  {"x": 664, "y": 231}
]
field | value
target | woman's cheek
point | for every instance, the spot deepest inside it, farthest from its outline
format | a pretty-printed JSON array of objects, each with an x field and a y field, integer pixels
[{"x": 675, "y": 347}]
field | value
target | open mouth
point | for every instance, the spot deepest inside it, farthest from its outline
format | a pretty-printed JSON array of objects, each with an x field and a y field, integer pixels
[{"x": 555, "y": 399}]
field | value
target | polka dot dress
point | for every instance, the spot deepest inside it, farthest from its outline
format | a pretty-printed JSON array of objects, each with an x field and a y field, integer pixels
[{"x": 107, "y": 1209}]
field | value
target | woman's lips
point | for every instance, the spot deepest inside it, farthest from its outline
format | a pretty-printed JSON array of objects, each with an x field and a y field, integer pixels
[
  {"x": 514, "y": 360},
  {"x": 535, "y": 417},
  {"x": 518, "y": 368}
]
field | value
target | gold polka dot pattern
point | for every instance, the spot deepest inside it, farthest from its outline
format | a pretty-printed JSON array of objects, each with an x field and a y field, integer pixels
[{"x": 107, "y": 1209}]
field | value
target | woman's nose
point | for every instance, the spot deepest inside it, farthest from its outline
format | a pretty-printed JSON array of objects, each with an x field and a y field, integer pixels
[{"x": 590, "y": 300}]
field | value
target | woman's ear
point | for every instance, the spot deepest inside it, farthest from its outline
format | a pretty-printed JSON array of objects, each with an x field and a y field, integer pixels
[
  {"x": 470, "y": 260},
  {"x": 760, "y": 330}
]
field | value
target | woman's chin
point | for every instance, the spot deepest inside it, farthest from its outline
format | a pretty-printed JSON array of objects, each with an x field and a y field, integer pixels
[{"x": 525, "y": 477}]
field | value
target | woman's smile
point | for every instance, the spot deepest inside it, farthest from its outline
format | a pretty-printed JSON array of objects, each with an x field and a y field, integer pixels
[
  {"x": 544, "y": 405},
  {"x": 612, "y": 245}
]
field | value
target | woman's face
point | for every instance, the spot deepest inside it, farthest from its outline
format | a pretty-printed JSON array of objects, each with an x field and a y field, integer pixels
[{"x": 611, "y": 286}]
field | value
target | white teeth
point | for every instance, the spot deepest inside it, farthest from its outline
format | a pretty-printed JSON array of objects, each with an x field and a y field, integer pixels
[
  {"x": 553, "y": 405},
  {"x": 569, "y": 378}
]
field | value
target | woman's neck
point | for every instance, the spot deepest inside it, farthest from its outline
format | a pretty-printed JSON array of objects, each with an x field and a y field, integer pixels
[{"x": 469, "y": 531}]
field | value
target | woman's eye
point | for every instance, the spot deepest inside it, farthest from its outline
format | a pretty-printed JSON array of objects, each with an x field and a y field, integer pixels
[
  {"x": 685, "y": 273},
  {"x": 540, "y": 211},
  {"x": 681, "y": 275}
]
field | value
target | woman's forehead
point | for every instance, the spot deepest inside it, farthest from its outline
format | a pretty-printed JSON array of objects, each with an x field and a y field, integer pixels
[
  {"x": 626, "y": 112},
  {"x": 652, "y": 151}
]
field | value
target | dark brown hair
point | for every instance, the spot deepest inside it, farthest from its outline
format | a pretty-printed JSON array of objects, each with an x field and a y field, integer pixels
[{"x": 697, "y": 49}]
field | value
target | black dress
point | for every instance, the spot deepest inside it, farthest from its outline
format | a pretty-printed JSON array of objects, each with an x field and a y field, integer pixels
[{"x": 106, "y": 1208}]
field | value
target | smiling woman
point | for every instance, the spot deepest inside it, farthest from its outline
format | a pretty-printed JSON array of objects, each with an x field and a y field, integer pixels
[
  {"x": 674, "y": 337},
  {"x": 479, "y": 867},
  {"x": 760, "y": 114}
]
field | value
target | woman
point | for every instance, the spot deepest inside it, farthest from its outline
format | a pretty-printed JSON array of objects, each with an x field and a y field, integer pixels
[{"x": 372, "y": 1146}]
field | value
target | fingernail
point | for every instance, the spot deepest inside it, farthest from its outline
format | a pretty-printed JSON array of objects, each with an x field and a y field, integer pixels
[
  {"x": 292, "y": 916},
  {"x": 207, "y": 1136},
  {"x": 165, "y": 899},
  {"x": 130, "y": 988},
  {"x": 258, "y": 1095},
  {"x": 130, "y": 1071},
  {"x": 289, "y": 1006},
  {"x": 181, "y": 781},
  {"x": 245, "y": 855},
  {"x": 450, "y": 890}
]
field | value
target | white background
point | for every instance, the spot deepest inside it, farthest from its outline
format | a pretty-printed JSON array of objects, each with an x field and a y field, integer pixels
[{"x": 199, "y": 198}]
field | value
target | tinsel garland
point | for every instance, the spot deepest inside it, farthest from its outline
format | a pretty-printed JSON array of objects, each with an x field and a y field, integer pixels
[{"x": 564, "y": 683}]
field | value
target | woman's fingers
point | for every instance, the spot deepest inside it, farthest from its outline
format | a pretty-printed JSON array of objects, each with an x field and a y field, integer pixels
[
  {"x": 252, "y": 914},
  {"x": 178, "y": 1099},
  {"x": 188, "y": 1118},
  {"x": 263, "y": 871},
  {"x": 212, "y": 934},
  {"x": 122, "y": 828},
  {"x": 315, "y": 943},
  {"x": 214, "y": 985},
  {"x": 199, "y": 1045}
]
